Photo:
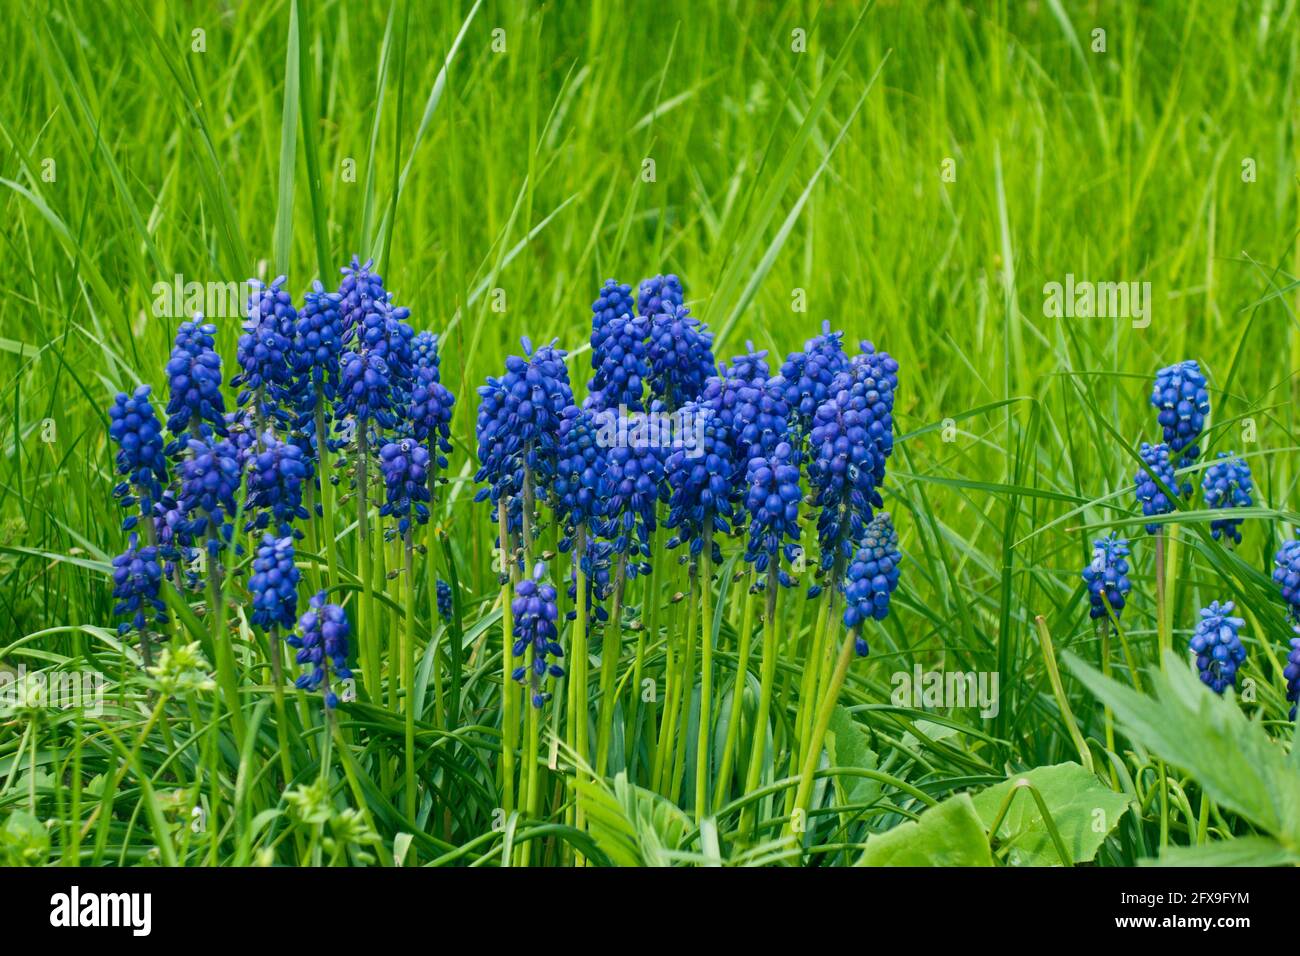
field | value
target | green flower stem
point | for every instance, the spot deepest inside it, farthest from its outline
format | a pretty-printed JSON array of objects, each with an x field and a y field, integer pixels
[
  {"x": 807, "y": 771},
  {"x": 737, "y": 691},
  {"x": 686, "y": 690},
  {"x": 408, "y": 676},
  {"x": 326, "y": 494},
  {"x": 224, "y": 653},
  {"x": 705, "y": 729},
  {"x": 509, "y": 695},
  {"x": 578, "y": 701},
  {"x": 767, "y": 679},
  {"x": 367, "y": 623},
  {"x": 661, "y": 774},
  {"x": 281, "y": 712},
  {"x": 609, "y": 654}
]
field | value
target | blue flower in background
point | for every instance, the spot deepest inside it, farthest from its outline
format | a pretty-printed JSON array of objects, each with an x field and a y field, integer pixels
[
  {"x": 195, "y": 406},
  {"x": 680, "y": 354},
  {"x": 1217, "y": 646},
  {"x": 140, "y": 458},
  {"x": 535, "y": 614},
  {"x": 773, "y": 504},
  {"x": 1292, "y": 675},
  {"x": 430, "y": 415},
  {"x": 843, "y": 463},
  {"x": 873, "y": 379},
  {"x": 1154, "y": 499},
  {"x": 1183, "y": 403},
  {"x": 137, "y": 578},
  {"x": 1107, "y": 576},
  {"x": 323, "y": 641},
  {"x": 405, "y": 466},
  {"x": 424, "y": 352},
  {"x": 662, "y": 293},
  {"x": 1286, "y": 574},
  {"x": 872, "y": 577},
  {"x": 444, "y": 600},
  {"x": 1227, "y": 484},
  {"x": 274, "y": 584}
]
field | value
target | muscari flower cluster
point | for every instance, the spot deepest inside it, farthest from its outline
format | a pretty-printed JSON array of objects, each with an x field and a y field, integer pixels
[
  {"x": 807, "y": 377},
  {"x": 1217, "y": 646},
  {"x": 1154, "y": 483},
  {"x": 444, "y": 600},
  {"x": 1227, "y": 484},
  {"x": 535, "y": 613},
  {"x": 264, "y": 352},
  {"x": 195, "y": 406},
  {"x": 137, "y": 577},
  {"x": 140, "y": 459},
  {"x": 872, "y": 577},
  {"x": 700, "y": 478},
  {"x": 1183, "y": 402},
  {"x": 210, "y": 479},
  {"x": 1106, "y": 576},
  {"x": 405, "y": 467},
  {"x": 274, "y": 584},
  {"x": 680, "y": 354},
  {"x": 614, "y": 302},
  {"x": 276, "y": 472},
  {"x": 322, "y": 640},
  {"x": 773, "y": 504}
]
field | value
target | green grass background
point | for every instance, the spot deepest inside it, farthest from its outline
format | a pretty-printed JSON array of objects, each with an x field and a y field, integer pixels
[{"x": 775, "y": 171}]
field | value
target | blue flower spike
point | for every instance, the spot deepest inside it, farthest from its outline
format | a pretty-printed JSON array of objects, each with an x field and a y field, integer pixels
[{"x": 1217, "y": 646}]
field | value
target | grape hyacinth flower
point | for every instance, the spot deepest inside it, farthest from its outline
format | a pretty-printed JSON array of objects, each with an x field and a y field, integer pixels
[
  {"x": 316, "y": 347},
  {"x": 1180, "y": 396},
  {"x": 405, "y": 466},
  {"x": 624, "y": 365},
  {"x": 210, "y": 478},
  {"x": 1227, "y": 484},
  {"x": 750, "y": 367},
  {"x": 274, "y": 584},
  {"x": 194, "y": 403},
  {"x": 700, "y": 478},
  {"x": 535, "y": 614},
  {"x": 1107, "y": 576},
  {"x": 384, "y": 332},
  {"x": 358, "y": 290},
  {"x": 807, "y": 377},
  {"x": 842, "y": 467},
  {"x": 635, "y": 479},
  {"x": 1286, "y": 574},
  {"x": 424, "y": 352},
  {"x": 519, "y": 423},
  {"x": 680, "y": 354},
  {"x": 579, "y": 489},
  {"x": 1151, "y": 496},
  {"x": 773, "y": 505},
  {"x": 874, "y": 376},
  {"x": 614, "y": 302},
  {"x": 872, "y": 577},
  {"x": 265, "y": 349},
  {"x": 430, "y": 414},
  {"x": 323, "y": 641},
  {"x": 444, "y": 600},
  {"x": 276, "y": 472},
  {"x": 137, "y": 578},
  {"x": 140, "y": 460},
  {"x": 660, "y": 294},
  {"x": 1217, "y": 646}
]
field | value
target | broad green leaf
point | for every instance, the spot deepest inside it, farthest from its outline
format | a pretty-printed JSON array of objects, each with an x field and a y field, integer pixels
[
  {"x": 23, "y": 841},
  {"x": 1082, "y": 808},
  {"x": 1189, "y": 726},
  {"x": 847, "y": 746},
  {"x": 950, "y": 834}
]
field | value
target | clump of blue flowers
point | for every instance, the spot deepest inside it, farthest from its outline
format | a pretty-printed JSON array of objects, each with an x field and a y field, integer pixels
[
  {"x": 700, "y": 482},
  {"x": 680, "y": 353},
  {"x": 807, "y": 377},
  {"x": 210, "y": 478},
  {"x": 1107, "y": 576},
  {"x": 659, "y": 294},
  {"x": 773, "y": 504},
  {"x": 1227, "y": 484},
  {"x": 1286, "y": 575},
  {"x": 1217, "y": 646},
  {"x": 405, "y": 466},
  {"x": 1154, "y": 499},
  {"x": 195, "y": 404},
  {"x": 276, "y": 472},
  {"x": 614, "y": 302},
  {"x": 323, "y": 641},
  {"x": 265, "y": 349},
  {"x": 872, "y": 577},
  {"x": 535, "y": 614}
]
